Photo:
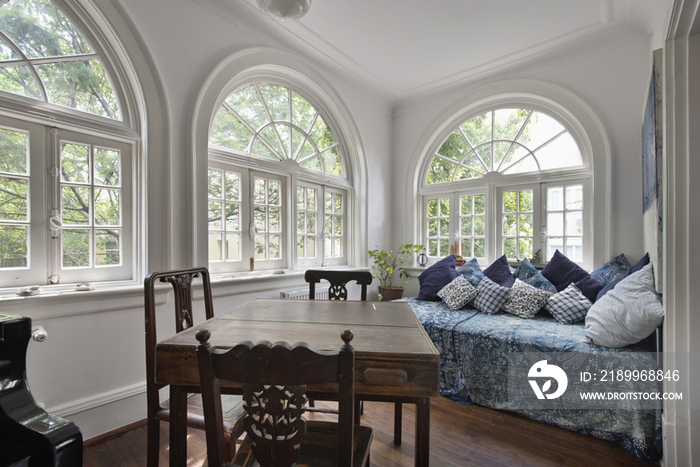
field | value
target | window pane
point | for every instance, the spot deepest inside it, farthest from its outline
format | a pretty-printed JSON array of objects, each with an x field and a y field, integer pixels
[
  {"x": 311, "y": 198},
  {"x": 525, "y": 200},
  {"x": 444, "y": 207},
  {"x": 525, "y": 224},
  {"x": 454, "y": 147},
  {"x": 555, "y": 199},
  {"x": 440, "y": 171},
  {"x": 13, "y": 200},
  {"x": 432, "y": 247},
  {"x": 76, "y": 205},
  {"x": 321, "y": 134},
  {"x": 524, "y": 248},
  {"x": 479, "y": 204},
  {"x": 338, "y": 248},
  {"x": 574, "y": 223},
  {"x": 260, "y": 219},
  {"x": 562, "y": 152},
  {"x": 277, "y": 100},
  {"x": 554, "y": 244},
  {"x": 107, "y": 251},
  {"x": 107, "y": 207},
  {"x": 555, "y": 224},
  {"x": 574, "y": 197},
  {"x": 432, "y": 227},
  {"x": 466, "y": 230},
  {"x": 107, "y": 166},
  {"x": 311, "y": 223},
  {"x": 81, "y": 85},
  {"x": 274, "y": 247},
  {"x": 466, "y": 205},
  {"x": 76, "y": 248},
  {"x": 215, "y": 210},
  {"x": 444, "y": 247},
  {"x": 13, "y": 246},
  {"x": 466, "y": 246},
  {"x": 246, "y": 103},
  {"x": 215, "y": 178},
  {"x": 14, "y": 154},
  {"x": 259, "y": 195},
  {"x": 233, "y": 247},
  {"x": 274, "y": 219},
  {"x": 510, "y": 225},
  {"x": 301, "y": 222},
  {"x": 310, "y": 247},
  {"x": 232, "y": 216},
  {"x": 75, "y": 163},
  {"x": 510, "y": 248},
  {"x": 215, "y": 246},
  {"x": 19, "y": 80},
  {"x": 510, "y": 201},
  {"x": 260, "y": 247},
  {"x": 273, "y": 193},
  {"x": 229, "y": 132},
  {"x": 479, "y": 248},
  {"x": 444, "y": 227},
  {"x": 479, "y": 226},
  {"x": 507, "y": 122}
]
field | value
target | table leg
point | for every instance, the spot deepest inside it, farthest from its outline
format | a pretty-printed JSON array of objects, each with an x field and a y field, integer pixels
[
  {"x": 422, "y": 453},
  {"x": 178, "y": 427}
]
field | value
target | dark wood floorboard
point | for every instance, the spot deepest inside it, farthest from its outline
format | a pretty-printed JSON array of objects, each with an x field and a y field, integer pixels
[{"x": 460, "y": 436}]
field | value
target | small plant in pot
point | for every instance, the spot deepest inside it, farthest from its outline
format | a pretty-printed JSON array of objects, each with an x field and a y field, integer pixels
[{"x": 387, "y": 264}]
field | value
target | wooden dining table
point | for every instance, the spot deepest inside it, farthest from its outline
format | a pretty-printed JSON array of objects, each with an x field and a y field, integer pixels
[{"x": 395, "y": 360}]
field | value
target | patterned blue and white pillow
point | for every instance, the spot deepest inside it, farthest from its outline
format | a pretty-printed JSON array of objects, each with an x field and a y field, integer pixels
[
  {"x": 524, "y": 300},
  {"x": 491, "y": 296},
  {"x": 458, "y": 293},
  {"x": 612, "y": 270},
  {"x": 527, "y": 273},
  {"x": 568, "y": 306},
  {"x": 472, "y": 271}
]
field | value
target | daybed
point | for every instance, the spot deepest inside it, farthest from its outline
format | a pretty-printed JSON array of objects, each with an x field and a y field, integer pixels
[{"x": 476, "y": 348}]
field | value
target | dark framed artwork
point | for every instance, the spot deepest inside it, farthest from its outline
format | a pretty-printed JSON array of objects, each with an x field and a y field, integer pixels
[{"x": 652, "y": 180}]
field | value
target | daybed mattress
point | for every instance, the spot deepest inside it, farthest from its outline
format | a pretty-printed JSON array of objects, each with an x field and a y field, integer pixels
[{"x": 474, "y": 349}]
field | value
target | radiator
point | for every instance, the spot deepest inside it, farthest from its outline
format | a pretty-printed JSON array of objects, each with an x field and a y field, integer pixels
[{"x": 303, "y": 294}]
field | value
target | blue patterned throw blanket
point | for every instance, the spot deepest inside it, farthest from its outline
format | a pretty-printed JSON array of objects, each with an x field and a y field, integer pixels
[{"x": 474, "y": 353}]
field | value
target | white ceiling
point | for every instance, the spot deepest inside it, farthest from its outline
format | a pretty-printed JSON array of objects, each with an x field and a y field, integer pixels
[{"x": 402, "y": 48}]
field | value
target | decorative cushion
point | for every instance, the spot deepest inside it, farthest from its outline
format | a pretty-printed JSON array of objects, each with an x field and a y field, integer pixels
[
  {"x": 590, "y": 287},
  {"x": 458, "y": 293},
  {"x": 500, "y": 273},
  {"x": 638, "y": 266},
  {"x": 561, "y": 271},
  {"x": 524, "y": 300},
  {"x": 612, "y": 270},
  {"x": 436, "y": 277},
  {"x": 568, "y": 306},
  {"x": 628, "y": 313},
  {"x": 491, "y": 296},
  {"x": 527, "y": 273},
  {"x": 472, "y": 271}
]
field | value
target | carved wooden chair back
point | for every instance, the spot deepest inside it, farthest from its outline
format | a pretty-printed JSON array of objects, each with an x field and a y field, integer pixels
[
  {"x": 182, "y": 281},
  {"x": 338, "y": 281},
  {"x": 274, "y": 379}
]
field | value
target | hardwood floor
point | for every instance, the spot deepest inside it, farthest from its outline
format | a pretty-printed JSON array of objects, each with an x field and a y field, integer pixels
[{"x": 460, "y": 436}]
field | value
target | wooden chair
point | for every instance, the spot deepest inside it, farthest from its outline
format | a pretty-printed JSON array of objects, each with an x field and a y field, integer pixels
[
  {"x": 157, "y": 410},
  {"x": 337, "y": 290},
  {"x": 338, "y": 280},
  {"x": 274, "y": 378}
]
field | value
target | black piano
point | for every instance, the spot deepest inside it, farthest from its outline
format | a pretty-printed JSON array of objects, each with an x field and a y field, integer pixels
[{"x": 28, "y": 435}]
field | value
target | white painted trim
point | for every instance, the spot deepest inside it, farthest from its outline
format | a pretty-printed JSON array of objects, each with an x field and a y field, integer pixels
[{"x": 72, "y": 408}]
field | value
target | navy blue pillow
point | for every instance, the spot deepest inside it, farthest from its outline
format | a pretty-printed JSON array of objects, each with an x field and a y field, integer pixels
[
  {"x": 436, "y": 277},
  {"x": 561, "y": 271},
  {"x": 637, "y": 267},
  {"x": 590, "y": 287},
  {"x": 499, "y": 272}
]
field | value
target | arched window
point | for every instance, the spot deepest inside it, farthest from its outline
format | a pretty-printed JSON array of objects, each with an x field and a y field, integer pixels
[
  {"x": 67, "y": 186},
  {"x": 278, "y": 188},
  {"x": 509, "y": 180}
]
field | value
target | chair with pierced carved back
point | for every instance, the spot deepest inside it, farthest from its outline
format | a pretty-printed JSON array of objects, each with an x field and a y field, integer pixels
[
  {"x": 274, "y": 379},
  {"x": 337, "y": 290},
  {"x": 182, "y": 282},
  {"x": 338, "y": 281}
]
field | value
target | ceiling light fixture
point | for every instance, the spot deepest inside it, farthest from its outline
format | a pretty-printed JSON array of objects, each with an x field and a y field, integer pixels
[{"x": 284, "y": 10}]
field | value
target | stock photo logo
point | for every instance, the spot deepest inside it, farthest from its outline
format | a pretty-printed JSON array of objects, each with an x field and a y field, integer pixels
[{"x": 541, "y": 370}]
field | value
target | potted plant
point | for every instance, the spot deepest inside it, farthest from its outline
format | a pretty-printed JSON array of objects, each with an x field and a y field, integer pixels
[{"x": 387, "y": 264}]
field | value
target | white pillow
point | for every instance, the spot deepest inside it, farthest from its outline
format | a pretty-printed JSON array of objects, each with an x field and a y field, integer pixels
[
  {"x": 458, "y": 293},
  {"x": 628, "y": 313}
]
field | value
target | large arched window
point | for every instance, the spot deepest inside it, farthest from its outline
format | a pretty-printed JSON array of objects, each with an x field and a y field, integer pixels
[
  {"x": 510, "y": 180},
  {"x": 278, "y": 188},
  {"x": 67, "y": 152}
]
